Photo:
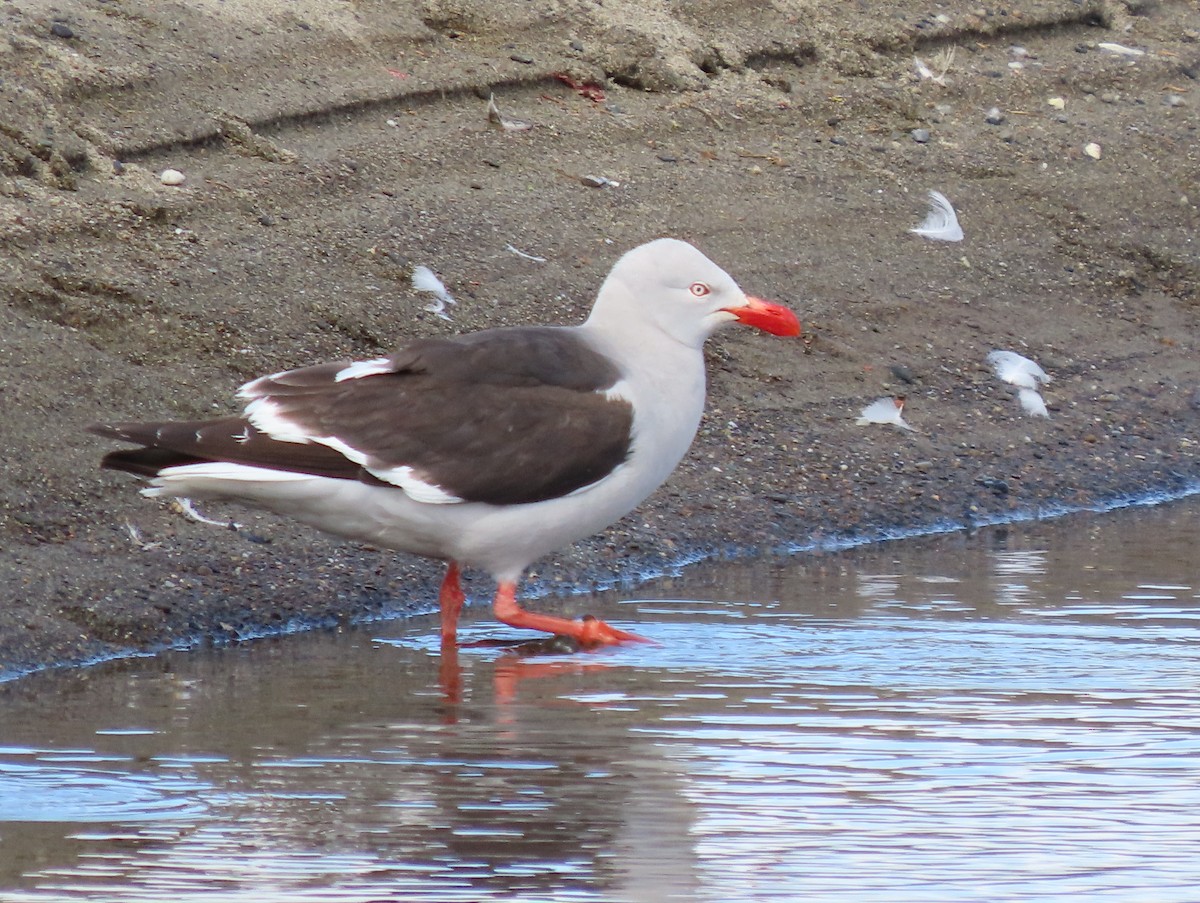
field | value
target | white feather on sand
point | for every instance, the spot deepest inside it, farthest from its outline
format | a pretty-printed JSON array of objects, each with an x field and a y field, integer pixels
[
  {"x": 1032, "y": 402},
  {"x": 500, "y": 121},
  {"x": 942, "y": 222},
  {"x": 1017, "y": 369},
  {"x": 423, "y": 280},
  {"x": 884, "y": 410}
]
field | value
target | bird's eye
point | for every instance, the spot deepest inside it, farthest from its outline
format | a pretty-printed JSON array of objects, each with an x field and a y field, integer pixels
[{"x": 699, "y": 289}]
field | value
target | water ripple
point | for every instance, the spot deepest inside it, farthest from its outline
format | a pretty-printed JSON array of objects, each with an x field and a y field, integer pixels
[{"x": 1005, "y": 717}]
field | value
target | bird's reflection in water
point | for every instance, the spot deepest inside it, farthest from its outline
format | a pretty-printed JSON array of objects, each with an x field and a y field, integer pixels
[{"x": 521, "y": 660}]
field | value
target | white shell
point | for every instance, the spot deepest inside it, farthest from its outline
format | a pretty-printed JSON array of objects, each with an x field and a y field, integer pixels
[
  {"x": 1092, "y": 149},
  {"x": 172, "y": 177}
]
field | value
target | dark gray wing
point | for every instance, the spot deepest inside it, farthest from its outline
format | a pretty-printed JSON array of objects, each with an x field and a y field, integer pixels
[{"x": 506, "y": 416}]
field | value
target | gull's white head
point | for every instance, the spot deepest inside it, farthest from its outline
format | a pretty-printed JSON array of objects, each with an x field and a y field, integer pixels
[{"x": 668, "y": 284}]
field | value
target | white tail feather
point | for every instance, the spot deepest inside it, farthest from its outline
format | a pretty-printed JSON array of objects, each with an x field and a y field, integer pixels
[{"x": 205, "y": 479}]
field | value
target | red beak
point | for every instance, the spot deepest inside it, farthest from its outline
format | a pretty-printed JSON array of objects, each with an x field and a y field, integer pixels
[{"x": 767, "y": 316}]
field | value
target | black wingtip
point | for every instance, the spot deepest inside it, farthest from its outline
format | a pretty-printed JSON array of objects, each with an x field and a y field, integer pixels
[
  {"x": 145, "y": 462},
  {"x": 141, "y": 433},
  {"x": 108, "y": 430}
]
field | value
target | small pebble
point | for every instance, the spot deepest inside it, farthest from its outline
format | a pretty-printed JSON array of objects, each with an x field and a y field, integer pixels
[
  {"x": 521, "y": 58},
  {"x": 1057, "y": 103},
  {"x": 994, "y": 116},
  {"x": 921, "y": 136},
  {"x": 61, "y": 30},
  {"x": 1173, "y": 100},
  {"x": 172, "y": 177}
]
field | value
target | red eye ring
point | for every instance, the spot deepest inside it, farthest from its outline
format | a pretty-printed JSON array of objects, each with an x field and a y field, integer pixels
[{"x": 699, "y": 289}]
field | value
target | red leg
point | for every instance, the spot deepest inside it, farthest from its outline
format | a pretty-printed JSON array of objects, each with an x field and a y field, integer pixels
[
  {"x": 450, "y": 599},
  {"x": 588, "y": 632}
]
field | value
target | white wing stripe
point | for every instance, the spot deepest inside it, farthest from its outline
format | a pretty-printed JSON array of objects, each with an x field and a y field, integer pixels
[
  {"x": 359, "y": 369},
  {"x": 253, "y": 388},
  {"x": 264, "y": 416},
  {"x": 414, "y": 487},
  {"x": 348, "y": 452}
]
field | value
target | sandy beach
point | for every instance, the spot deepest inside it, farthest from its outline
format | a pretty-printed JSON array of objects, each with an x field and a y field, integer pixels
[{"x": 328, "y": 147}]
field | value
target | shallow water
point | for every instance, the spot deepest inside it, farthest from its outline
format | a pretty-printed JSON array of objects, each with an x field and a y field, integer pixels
[{"x": 1011, "y": 715}]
